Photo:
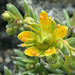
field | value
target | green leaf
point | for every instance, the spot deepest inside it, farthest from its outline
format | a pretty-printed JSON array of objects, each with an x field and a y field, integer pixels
[
  {"x": 36, "y": 26},
  {"x": 19, "y": 53},
  {"x": 56, "y": 74},
  {"x": 24, "y": 73},
  {"x": 56, "y": 71},
  {"x": 53, "y": 61},
  {"x": 24, "y": 60},
  {"x": 69, "y": 33},
  {"x": 9, "y": 25},
  {"x": 11, "y": 8},
  {"x": 71, "y": 41},
  {"x": 36, "y": 18},
  {"x": 31, "y": 12},
  {"x": 19, "y": 63},
  {"x": 64, "y": 68},
  {"x": 67, "y": 18},
  {"x": 53, "y": 26},
  {"x": 58, "y": 21},
  {"x": 27, "y": 12},
  {"x": 73, "y": 19},
  {"x": 65, "y": 50},
  {"x": 7, "y": 72},
  {"x": 36, "y": 59},
  {"x": 32, "y": 74},
  {"x": 28, "y": 61}
]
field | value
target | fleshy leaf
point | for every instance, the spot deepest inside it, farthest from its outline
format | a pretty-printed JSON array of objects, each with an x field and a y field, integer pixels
[
  {"x": 35, "y": 26},
  {"x": 32, "y": 51},
  {"x": 67, "y": 18},
  {"x": 50, "y": 51},
  {"x": 60, "y": 32},
  {"x": 53, "y": 26},
  {"x": 44, "y": 21},
  {"x": 26, "y": 36},
  {"x": 73, "y": 19}
]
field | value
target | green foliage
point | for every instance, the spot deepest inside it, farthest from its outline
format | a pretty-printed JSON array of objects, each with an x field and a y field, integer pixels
[
  {"x": 67, "y": 18},
  {"x": 65, "y": 50},
  {"x": 73, "y": 19},
  {"x": 53, "y": 61},
  {"x": 71, "y": 41},
  {"x": 27, "y": 12},
  {"x": 7, "y": 72},
  {"x": 11, "y": 8},
  {"x": 16, "y": 21}
]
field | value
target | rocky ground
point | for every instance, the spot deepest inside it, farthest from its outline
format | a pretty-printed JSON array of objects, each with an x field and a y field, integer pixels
[{"x": 8, "y": 43}]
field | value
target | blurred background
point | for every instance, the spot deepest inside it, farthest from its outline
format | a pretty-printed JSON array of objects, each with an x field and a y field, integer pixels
[{"x": 54, "y": 8}]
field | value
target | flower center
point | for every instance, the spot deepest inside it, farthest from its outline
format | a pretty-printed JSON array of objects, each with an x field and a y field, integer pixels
[{"x": 44, "y": 40}]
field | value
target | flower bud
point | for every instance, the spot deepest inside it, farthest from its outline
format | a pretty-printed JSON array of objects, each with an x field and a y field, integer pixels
[
  {"x": 28, "y": 20},
  {"x": 11, "y": 31},
  {"x": 29, "y": 66},
  {"x": 58, "y": 44},
  {"x": 53, "y": 61},
  {"x": 6, "y": 16},
  {"x": 44, "y": 41}
]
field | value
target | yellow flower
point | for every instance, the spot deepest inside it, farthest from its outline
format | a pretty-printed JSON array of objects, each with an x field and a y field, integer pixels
[{"x": 45, "y": 37}]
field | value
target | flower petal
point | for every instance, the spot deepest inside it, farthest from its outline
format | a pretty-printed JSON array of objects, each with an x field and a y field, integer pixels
[
  {"x": 60, "y": 32},
  {"x": 43, "y": 20},
  {"x": 32, "y": 51},
  {"x": 26, "y": 36},
  {"x": 53, "y": 26},
  {"x": 50, "y": 51}
]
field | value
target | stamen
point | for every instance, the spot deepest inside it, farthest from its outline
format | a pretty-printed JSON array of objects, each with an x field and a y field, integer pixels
[
  {"x": 58, "y": 25},
  {"x": 50, "y": 17},
  {"x": 22, "y": 45}
]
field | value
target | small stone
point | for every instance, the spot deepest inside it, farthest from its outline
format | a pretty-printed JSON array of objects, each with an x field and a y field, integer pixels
[
  {"x": 56, "y": 13},
  {"x": 50, "y": 13},
  {"x": 1, "y": 59},
  {"x": 7, "y": 59},
  {"x": 8, "y": 51}
]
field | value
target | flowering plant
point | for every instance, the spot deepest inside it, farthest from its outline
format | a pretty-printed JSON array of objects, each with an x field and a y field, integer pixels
[
  {"x": 49, "y": 49},
  {"x": 45, "y": 38}
]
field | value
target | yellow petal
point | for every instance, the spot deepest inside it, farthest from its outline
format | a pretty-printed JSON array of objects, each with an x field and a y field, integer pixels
[
  {"x": 26, "y": 36},
  {"x": 50, "y": 51},
  {"x": 60, "y": 32},
  {"x": 32, "y": 51},
  {"x": 43, "y": 20}
]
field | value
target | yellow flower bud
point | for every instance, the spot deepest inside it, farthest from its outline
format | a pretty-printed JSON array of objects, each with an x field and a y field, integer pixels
[
  {"x": 28, "y": 20},
  {"x": 6, "y": 16},
  {"x": 11, "y": 31}
]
